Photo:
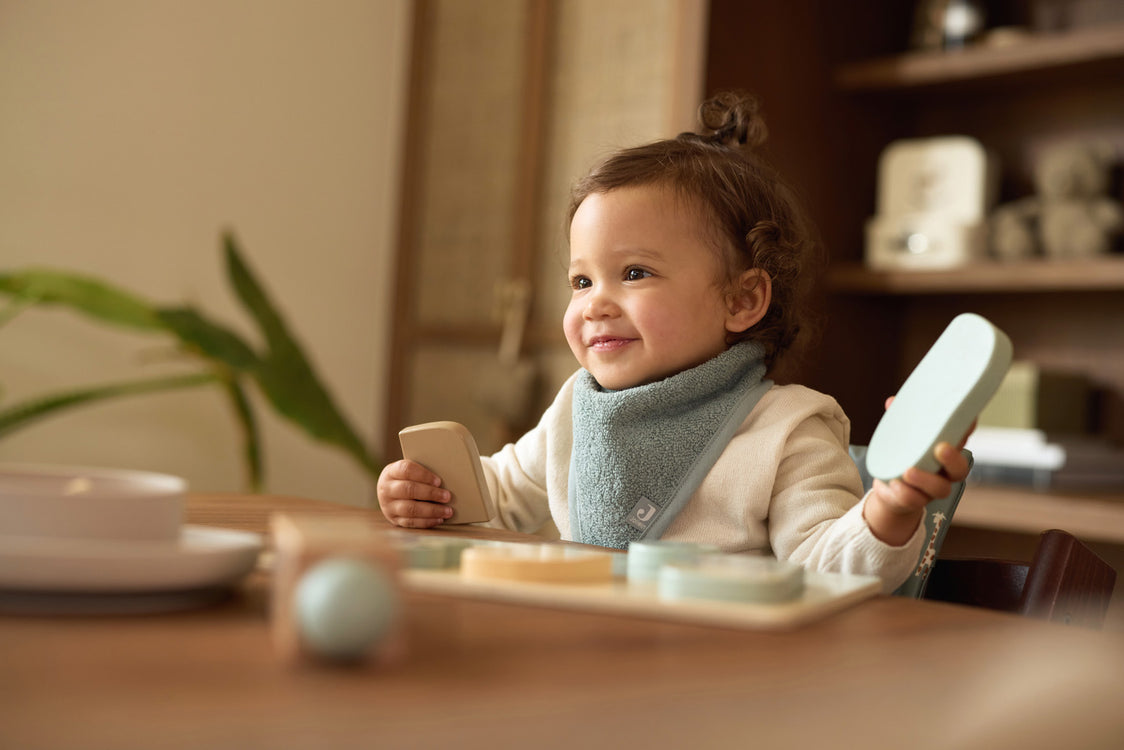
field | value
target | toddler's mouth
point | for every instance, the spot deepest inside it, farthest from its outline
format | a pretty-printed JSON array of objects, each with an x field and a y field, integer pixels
[{"x": 607, "y": 343}]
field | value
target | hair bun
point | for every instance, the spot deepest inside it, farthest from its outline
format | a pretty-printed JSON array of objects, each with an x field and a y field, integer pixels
[{"x": 733, "y": 118}]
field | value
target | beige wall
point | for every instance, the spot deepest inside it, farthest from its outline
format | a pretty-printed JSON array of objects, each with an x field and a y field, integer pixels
[{"x": 133, "y": 132}]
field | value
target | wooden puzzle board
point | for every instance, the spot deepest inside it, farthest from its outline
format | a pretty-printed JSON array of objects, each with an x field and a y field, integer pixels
[{"x": 824, "y": 594}]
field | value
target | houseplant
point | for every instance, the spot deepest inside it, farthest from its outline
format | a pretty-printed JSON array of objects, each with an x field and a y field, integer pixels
[{"x": 277, "y": 366}]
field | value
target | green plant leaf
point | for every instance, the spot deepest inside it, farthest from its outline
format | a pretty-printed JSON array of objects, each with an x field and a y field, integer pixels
[
  {"x": 208, "y": 338},
  {"x": 33, "y": 410},
  {"x": 251, "y": 438},
  {"x": 236, "y": 358},
  {"x": 285, "y": 375},
  {"x": 84, "y": 294}
]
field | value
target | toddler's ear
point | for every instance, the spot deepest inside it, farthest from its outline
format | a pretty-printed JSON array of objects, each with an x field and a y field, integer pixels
[{"x": 748, "y": 302}]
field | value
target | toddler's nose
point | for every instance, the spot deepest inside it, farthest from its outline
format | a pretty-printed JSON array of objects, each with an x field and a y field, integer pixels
[{"x": 600, "y": 304}]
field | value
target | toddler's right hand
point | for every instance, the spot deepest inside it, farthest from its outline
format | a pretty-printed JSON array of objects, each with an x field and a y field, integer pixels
[{"x": 410, "y": 495}]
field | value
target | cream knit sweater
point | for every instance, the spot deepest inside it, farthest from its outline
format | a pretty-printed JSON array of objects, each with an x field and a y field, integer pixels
[{"x": 785, "y": 485}]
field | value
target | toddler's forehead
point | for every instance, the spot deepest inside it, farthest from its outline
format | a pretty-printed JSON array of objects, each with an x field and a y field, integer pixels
[{"x": 682, "y": 205}]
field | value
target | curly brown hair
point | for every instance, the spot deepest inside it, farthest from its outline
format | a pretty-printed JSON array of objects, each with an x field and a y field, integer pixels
[{"x": 758, "y": 222}]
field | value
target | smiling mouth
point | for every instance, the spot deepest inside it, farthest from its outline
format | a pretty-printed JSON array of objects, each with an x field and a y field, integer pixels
[{"x": 607, "y": 343}]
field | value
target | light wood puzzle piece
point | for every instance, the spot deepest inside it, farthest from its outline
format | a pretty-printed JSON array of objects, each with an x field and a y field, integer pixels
[
  {"x": 335, "y": 592},
  {"x": 537, "y": 563},
  {"x": 449, "y": 451}
]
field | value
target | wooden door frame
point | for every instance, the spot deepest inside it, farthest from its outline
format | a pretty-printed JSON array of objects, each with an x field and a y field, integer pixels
[{"x": 406, "y": 331}]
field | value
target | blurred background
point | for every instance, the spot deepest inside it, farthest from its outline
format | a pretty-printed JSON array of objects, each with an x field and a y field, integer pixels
[
  {"x": 397, "y": 173},
  {"x": 134, "y": 133},
  {"x": 137, "y": 131}
]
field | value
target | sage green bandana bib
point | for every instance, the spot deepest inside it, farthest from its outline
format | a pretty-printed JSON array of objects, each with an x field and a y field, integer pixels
[{"x": 639, "y": 454}]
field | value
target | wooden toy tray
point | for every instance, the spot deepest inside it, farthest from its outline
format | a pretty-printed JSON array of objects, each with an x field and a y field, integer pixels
[{"x": 823, "y": 595}]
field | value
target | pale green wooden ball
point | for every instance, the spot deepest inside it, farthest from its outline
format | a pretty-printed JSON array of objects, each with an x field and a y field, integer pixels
[{"x": 343, "y": 607}]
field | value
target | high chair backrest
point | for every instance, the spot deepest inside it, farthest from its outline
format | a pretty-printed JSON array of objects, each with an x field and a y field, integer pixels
[
  {"x": 1066, "y": 582},
  {"x": 938, "y": 518}
]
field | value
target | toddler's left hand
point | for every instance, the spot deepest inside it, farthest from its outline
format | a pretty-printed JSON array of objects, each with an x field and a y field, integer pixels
[{"x": 894, "y": 508}]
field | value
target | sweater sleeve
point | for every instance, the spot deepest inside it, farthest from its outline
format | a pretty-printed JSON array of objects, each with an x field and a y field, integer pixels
[
  {"x": 517, "y": 484},
  {"x": 522, "y": 475},
  {"x": 815, "y": 514}
]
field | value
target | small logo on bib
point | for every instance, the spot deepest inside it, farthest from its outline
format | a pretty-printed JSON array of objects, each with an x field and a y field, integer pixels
[{"x": 643, "y": 513}]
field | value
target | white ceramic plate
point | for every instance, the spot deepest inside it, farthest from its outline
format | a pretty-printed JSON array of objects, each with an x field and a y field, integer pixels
[{"x": 201, "y": 557}]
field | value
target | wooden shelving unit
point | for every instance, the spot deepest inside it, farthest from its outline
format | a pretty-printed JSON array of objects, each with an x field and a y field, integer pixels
[
  {"x": 1026, "y": 56},
  {"x": 1102, "y": 274},
  {"x": 1094, "y": 516},
  {"x": 1080, "y": 56}
]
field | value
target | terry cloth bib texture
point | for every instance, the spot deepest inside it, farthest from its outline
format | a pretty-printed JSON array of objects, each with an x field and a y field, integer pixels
[{"x": 640, "y": 453}]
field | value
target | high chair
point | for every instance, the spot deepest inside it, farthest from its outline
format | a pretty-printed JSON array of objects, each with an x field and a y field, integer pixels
[{"x": 1066, "y": 582}]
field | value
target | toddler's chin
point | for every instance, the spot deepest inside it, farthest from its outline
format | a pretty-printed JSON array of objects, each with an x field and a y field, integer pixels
[
  {"x": 621, "y": 382},
  {"x": 614, "y": 381}
]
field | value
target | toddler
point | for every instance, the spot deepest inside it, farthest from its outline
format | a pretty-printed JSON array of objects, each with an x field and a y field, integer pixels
[{"x": 689, "y": 270}]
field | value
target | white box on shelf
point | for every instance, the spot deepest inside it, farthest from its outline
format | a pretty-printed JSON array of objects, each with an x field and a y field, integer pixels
[
  {"x": 934, "y": 195},
  {"x": 923, "y": 241}
]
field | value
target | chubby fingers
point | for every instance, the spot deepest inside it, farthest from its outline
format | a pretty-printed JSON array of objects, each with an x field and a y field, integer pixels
[
  {"x": 928, "y": 485},
  {"x": 954, "y": 464},
  {"x": 410, "y": 480},
  {"x": 916, "y": 488},
  {"x": 411, "y": 495},
  {"x": 416, "y": 514},
  {"x": 901, "y": 495}
]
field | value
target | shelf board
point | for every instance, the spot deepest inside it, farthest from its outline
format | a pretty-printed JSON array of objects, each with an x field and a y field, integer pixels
[
  {"x": 1093, "y": 516},
  {"x": 1036, "y": 53},
  {"x": 1101, "y": 274}
]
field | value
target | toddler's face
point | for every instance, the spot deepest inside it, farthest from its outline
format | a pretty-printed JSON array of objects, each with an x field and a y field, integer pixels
[{"x": 647, "y": 300}]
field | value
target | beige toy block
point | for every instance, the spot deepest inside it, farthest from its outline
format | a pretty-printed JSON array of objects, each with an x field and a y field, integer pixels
[
  {"x": 449, "y": 451},
  {"x": 302, "y": 542}
]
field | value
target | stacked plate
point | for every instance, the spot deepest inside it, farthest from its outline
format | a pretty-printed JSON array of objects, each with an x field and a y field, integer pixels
[{"x": 77, "y": 539}]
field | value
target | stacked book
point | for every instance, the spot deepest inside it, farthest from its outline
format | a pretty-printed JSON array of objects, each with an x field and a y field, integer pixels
[
  {"x": 1009, "y": 455},
  {"x": 1036, "y": 433},
  {"x": 1028, "y": 458}
]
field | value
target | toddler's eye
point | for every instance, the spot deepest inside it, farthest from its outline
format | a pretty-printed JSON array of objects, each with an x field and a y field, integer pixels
[
  {"x": 635, "y": 274},
  {"x": 580, "y": 282}
]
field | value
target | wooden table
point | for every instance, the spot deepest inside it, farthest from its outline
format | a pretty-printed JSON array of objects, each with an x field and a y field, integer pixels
[{"x": 888, "y": 672}]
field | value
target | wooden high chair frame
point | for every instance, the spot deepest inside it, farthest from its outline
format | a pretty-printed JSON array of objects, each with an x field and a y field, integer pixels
[{"x": 1066, "y": 582}]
